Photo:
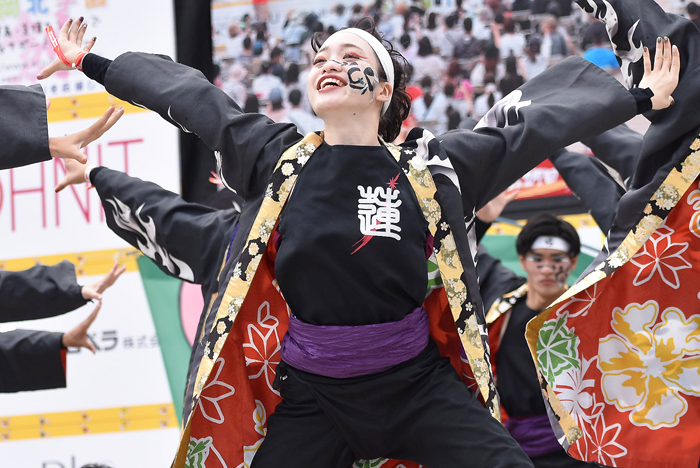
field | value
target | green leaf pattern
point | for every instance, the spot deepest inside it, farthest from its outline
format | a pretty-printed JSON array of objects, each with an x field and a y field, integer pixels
[
  {"x": 198, "y": 452},
  {"x": 557, "y": 348}
]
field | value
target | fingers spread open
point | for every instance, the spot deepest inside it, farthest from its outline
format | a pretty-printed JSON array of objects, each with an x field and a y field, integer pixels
[
  {"x": 63, "y": 35},
  {"x": 81, "y": 33},
  {"x": 667, "y": 55},
  {"x": 74, "y": 30},
  {"x": 53, "y": 67},
  {"x": 659, "y": 55},
  {"x": 647, "y": 61},
  {"x": 676, "y": 62},
  {"x": 90, "y": 44}
]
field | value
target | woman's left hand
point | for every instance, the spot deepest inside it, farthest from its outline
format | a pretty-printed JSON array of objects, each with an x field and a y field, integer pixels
[
  {"x": 663, "y": 78},
  {"x": 70, "y": 39}
]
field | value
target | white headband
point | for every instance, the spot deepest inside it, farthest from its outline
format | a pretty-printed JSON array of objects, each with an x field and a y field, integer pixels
[
  {"x": 382, "y": 55},
  {"x": 551, "y": 242}
]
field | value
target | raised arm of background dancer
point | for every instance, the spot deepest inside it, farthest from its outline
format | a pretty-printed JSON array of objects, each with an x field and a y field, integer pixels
[
  {"x": 568, "y": 102},
  {"x": 495, "y": 279},
  {"x": 619, "y": 148},
  {"x": 46, "y": 291},
  {"x": 186, "y": 240},
  {"x": 36, "y": 360},
  {"x": 592, "y": 183}
]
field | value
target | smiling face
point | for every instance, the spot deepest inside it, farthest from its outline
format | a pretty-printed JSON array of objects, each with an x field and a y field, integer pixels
[{"x": 344, "y": 77}]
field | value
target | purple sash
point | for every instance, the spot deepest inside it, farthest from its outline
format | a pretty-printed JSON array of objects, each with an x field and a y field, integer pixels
[
  {"x": 534, "y": 434},
  {"x": 352, "y": 351}
]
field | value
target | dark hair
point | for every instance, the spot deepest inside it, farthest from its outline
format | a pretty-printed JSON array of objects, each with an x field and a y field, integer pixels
[
  {"x": 449, "y": 89},
  {"x": 511, "y": 65},
  {"x": 426, "y": 82},
  {"x": 693, "y": 8},
  {"x": 265, "y": 67},
  {"x": 291, "y": 74},
  {"x": 453, "y": 69},
  {"x": 276, "y": 52},
  {"x": 400, "y": 106},
  {"x": 405, "y": 40},
  {"x": 509, "y": 25},
  {"x": 450, "y": 21},
  {"x": 294, "y": 97},
  {"x": 425, "y": 48},
  {"x": 251, "y": 104},
  {"x": 546, "y": 224},
  {"x": 468, "y": 24},
  {"x": 491, "y": 52},
  {"x": 432, "y": 21},
  {"x": 247, "y": 42}
]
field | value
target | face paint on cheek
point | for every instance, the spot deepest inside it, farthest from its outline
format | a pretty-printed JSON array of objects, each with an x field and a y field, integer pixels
[
  {"x": 562, "y": 274},
  {"x": 361, "y": 81}
]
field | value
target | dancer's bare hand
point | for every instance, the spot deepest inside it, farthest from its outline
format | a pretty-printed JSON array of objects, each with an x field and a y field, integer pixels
[
  {"x": 495, "y": 207},
  {"x": 95, "y": 290},
  {"x": 78, "y": 337},
  {"x": 68, "y": 147},
  {"x": 71, "y": 41},
  {"x": 663, "y": 78},
  {"x": 75, "y": 174}
]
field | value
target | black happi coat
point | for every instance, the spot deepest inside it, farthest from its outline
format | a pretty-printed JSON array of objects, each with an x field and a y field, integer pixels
[
  {"x": 565, "y": 104},
  {"x": 23, "y": 129}
]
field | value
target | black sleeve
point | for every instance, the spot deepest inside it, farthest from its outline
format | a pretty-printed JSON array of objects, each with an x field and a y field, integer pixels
[
  {"x": 23, "y": 129},
  {"x": 95, "y": 67},
  {"x": 568, "y": 102},
  {"x": 185, "y": 240},
  {"x": 592, "y": 183},
  {"x": 30, "y": 360},
  {"x": 247, "y": 146},
  {"x": 40, "y": 292},
  {"x": 618, "y": 148},
  {"x": 495, "y": 280}
]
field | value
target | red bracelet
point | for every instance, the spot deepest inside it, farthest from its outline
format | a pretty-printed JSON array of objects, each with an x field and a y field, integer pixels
[
  {"x": 57, "y": 48},
  {"x": 79, "y": 60}
]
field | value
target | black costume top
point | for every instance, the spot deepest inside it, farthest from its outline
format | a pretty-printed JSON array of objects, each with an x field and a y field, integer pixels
[{"x": 328, "y": 271}]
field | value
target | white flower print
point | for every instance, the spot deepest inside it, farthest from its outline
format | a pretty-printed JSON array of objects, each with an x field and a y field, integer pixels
[
  {"x": 661, "y": 255},
  {"x": 262, "y": 350},
  {"x": 212, "y": 394},
  {"x": 579, "y": 306}
]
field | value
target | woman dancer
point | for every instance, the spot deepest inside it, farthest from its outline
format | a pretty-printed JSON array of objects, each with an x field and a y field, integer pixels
[{"x": 362, "y": 373}]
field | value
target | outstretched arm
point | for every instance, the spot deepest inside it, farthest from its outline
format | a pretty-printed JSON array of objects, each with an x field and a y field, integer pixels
[
  {"x": 186, "y": 240},
  {"x": 36, "y": 360},
  {"x": 569, "y": 102}
]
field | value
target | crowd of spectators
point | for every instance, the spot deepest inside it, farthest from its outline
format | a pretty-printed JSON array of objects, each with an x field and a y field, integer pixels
[{"x": 463, "y": 61}]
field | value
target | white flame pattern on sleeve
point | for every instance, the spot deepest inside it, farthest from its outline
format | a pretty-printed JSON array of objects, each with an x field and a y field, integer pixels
[{"x": 147, "y": 230}]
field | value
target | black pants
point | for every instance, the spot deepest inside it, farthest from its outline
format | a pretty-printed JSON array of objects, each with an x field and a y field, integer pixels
[
  {"x": 419, "y": 411},
  {"x": 560, "y": 459}
]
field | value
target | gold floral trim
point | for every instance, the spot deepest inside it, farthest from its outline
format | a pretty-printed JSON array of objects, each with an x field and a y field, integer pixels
[{"x": 451, "y": 271}]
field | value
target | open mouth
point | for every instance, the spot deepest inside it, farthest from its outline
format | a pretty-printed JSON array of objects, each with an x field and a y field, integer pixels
[{"x": 330, "y": 82}]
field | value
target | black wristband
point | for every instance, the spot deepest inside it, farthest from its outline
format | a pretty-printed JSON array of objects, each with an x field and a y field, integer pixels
[{"x": 642, "y": 96}]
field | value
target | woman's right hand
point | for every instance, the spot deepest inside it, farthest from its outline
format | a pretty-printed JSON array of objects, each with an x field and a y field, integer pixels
[{"x": 70, "y": 39}]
